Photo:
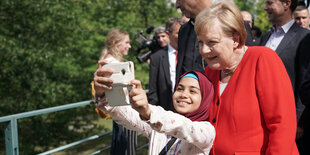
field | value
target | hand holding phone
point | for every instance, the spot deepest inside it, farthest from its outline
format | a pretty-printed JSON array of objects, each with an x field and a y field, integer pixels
[{"x": 122, "y": 75}]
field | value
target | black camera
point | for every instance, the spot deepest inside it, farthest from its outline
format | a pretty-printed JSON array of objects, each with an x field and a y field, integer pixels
[{"x": 147, "y": 46}]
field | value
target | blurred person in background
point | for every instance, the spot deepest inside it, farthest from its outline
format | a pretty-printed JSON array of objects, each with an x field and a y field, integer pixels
[
  {"x": 247, "y": 17},
  {"x": 117, "y": 46},
  {"x": 301, "y": 16},
  {"x": 285, "y": 37},
  {"x": 161, "y": 36},
  {"x": 257, "y": 34},
  {"x": 303, "y": 137},
  {"x": 163, "y": 68},
  {"x": 162, "y": 39}
]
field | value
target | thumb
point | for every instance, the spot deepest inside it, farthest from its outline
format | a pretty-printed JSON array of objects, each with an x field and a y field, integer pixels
[
  {"x": 136, "y": 83},
  {"x": 101, "y": 63}
]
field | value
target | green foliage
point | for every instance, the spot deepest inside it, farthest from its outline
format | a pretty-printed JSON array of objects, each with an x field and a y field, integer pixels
[
  {"x": 48, "y": 53},
  {"x": 261, "y": 18},
  {"x": 256, "y": 8},
  {"x": 245, "y": 5}
]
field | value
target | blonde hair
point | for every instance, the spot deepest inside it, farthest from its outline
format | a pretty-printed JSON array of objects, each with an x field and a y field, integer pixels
[
  {"x": 213, "y": 2},
  {"x": 114, "y": 38},
  {"x": 229, "y": 17}
]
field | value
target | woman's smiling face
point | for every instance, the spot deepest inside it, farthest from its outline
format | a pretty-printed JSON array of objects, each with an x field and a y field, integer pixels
[
  {"x": 124, "y": 46},
  {"x": 216, "y": 48},
  {"x": 187, "y": 96}
]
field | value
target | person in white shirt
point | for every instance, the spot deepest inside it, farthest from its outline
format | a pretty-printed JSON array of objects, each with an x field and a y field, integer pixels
[
  {"x": 284, "y": 38},
  {"x": 117, "y": 46},
  {"x": 162, "y": 72},
  {"x": 184, "y": 131}
]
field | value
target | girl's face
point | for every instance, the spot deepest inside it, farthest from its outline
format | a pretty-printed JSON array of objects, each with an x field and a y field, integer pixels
[
  {"x": 187, "y": 97},
  {"x": 124, "y": 46}
]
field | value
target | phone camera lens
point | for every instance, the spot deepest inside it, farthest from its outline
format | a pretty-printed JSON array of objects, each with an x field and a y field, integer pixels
[{"x": 123, "y": 71}]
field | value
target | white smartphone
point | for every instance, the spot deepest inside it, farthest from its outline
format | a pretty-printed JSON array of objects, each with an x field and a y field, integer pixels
[{"x": 122, "y": 75}]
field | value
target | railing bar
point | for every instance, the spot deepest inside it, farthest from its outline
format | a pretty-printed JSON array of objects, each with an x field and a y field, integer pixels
[
  {"x": 143, "y": 146},
  {"x": 100, "y": 151},
  {"x": 106, "y": 148},
  {"x": 44, "y": 111},
  {"x": 60, "y": 108},
  {"x": 75, "y": 143},
  {"x": 11, "y": 137}
]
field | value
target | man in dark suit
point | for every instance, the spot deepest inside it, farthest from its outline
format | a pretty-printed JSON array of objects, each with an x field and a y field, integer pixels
[
  {"x": 162, "y": 68},
  {"x": 284, "y": 38},
  {"x": 303, "y": 136},
  {"x": 189, "y": 57},
  {"x": 304, "y": 142},
  {"x": 161, "y": 36}
]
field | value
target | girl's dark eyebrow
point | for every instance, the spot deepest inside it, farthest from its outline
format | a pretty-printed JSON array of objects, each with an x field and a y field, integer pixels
[
  {"x": 195, "y": 87},
  {"x": 190, "y": 86},
  {"x": 180, "y": 85}
]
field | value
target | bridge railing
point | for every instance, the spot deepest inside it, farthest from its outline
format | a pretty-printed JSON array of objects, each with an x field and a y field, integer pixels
[{"x": 11, "y": 129}]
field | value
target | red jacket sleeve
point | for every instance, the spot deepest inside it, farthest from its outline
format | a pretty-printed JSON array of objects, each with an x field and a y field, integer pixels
[{"x": 276, "y": 99}]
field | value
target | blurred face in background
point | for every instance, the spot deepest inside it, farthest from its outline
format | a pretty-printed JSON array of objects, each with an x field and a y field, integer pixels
[
  {"x": 173, "y": 36},
  {"x": 162, "y": 39},
  {"x": 124, "y": 45},
  {"x": 247, "y": 17},
  {"x": 302, "y": 18},
  {"x": 275, "y": 10},
  {"x": 191, "y": 8}
]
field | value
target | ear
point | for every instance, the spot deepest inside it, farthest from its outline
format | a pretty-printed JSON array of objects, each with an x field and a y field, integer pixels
[
  {"x": 236, "y": 40},
  {"x": 168, "y": 33},
  {"x": 287, "y": 4}
]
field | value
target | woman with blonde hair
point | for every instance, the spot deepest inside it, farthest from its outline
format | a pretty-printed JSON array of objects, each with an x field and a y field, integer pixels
[
  {"x": 117, "y": 46},
  {"x": 253, "y": 110}
]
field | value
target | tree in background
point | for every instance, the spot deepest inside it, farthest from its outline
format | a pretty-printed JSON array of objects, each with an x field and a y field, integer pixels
[
  {"x": 48, "y": 53},
  {"x": 49, "y": 50},
  {"x": 256, "y": 8}
]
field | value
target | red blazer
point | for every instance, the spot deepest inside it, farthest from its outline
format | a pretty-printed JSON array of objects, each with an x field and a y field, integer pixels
[{"x": 256, "y": 112}]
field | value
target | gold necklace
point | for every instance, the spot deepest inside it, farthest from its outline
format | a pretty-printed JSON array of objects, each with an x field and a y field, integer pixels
[
  {"x": 227, "y": 73},
  {"x": 232, "y": 71}
]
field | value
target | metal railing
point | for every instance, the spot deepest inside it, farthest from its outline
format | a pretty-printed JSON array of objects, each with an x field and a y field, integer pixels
[
  {"x": 78, "y": 143},
  {"x": 11, "y": 130}
]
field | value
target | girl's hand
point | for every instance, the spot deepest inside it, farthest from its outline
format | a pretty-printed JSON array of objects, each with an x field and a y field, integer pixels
[
  {"x": 139, "y": 100},
  {"x": 101, "y": 81}
]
